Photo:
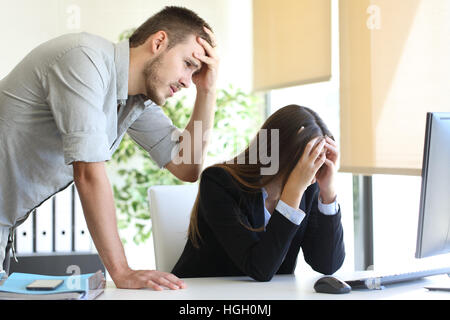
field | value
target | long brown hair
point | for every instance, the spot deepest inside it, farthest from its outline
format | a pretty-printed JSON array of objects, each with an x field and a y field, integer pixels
[{"x": 291, "y": 144}]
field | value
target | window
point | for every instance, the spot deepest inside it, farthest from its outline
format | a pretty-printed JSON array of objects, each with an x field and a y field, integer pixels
[
  {"x": 396, "y": 202},
  {"x": 323, "y": 97}
]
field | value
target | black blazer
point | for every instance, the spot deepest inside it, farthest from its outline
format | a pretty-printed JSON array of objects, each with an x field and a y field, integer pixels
[{"x": 227, "y": 248}]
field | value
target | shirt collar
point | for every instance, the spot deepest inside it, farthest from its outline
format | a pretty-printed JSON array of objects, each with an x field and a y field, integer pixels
[
  {"x": 122, "y": 62},
  {"x": 266, "y": 212},
  {"x": 148, "y": 103},
  {"x": 264, "y": 193}
]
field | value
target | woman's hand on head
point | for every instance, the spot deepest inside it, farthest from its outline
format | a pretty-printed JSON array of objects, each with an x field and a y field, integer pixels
[
  {"x": 326, "y": 175},
  {"x": 304, "y": 173}
]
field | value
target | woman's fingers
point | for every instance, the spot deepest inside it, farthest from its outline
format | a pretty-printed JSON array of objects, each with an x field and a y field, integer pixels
[
  {"x": 319, "y": 162},
  {"x": 331, "y": 148},
  {"x": 317, "y": 151},
  {"x": 331, "y": 141},
  {"x": 329, "y": 163},
  {"x": 309, "y": 146},
  {"x": 331, "y": 152}
]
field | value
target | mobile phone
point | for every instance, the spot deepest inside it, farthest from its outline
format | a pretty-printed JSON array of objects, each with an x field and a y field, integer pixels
[{"x": 44, "y": 285}]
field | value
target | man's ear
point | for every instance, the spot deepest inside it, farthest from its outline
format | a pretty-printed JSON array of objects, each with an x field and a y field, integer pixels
[{"x": 158, "y": 42}]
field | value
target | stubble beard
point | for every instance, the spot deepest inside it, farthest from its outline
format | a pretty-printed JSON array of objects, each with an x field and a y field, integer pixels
[{"x": 152, "y": 80}]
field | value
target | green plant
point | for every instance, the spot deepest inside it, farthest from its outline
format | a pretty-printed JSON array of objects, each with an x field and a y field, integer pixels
[
  {"x": 126, "y": 34},
  {"x": 237, "y": 118}
]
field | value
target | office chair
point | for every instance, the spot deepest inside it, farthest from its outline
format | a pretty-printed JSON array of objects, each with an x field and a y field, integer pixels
[{"x": 170, "y": 210}]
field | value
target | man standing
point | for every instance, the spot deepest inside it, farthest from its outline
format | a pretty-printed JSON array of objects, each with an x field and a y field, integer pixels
[{"x": 66, "y": 106}]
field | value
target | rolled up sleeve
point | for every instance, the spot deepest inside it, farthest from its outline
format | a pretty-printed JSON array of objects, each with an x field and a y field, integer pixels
[
  {"x": 155, "y": 132},
  {"x": 76, "y": 92},
  {"x": 83, "y": 147}
]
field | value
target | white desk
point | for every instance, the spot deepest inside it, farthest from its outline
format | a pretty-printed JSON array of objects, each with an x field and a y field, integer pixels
[{"x": 281, "y": 287}]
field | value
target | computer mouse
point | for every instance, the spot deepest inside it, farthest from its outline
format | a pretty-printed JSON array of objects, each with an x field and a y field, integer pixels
[{"x": 329, "y": 284}]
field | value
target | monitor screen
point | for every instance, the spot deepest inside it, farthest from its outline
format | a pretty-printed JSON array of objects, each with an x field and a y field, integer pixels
[{"x": 433, "y": 235}]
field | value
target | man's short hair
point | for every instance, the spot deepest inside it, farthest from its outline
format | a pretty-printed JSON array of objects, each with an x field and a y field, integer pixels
[{"x": 177, "y": 22}]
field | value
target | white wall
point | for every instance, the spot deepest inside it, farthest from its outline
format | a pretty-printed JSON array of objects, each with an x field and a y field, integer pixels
[
  {"x": 26, "y": 23},
  {"x": 396, "y": 201}
]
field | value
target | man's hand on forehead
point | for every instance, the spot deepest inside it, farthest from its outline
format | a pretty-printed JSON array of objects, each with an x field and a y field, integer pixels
[
  {"x": 212, "y": 37},
  {"x": 206, "y": 77}
]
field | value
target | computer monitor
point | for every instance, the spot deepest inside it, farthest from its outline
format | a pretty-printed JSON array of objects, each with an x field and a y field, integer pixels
[{"x": 433, "y": 235}]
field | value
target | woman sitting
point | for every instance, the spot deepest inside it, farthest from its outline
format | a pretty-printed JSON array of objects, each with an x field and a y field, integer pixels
[{"x": 247, "y": 222}]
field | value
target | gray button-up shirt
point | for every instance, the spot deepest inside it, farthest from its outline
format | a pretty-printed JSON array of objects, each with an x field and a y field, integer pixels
[{"x": 60, "y": 105}]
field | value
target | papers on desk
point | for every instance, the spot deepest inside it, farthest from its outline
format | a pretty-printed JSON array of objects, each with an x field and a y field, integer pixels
[{"x": 75, "y": 287}]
